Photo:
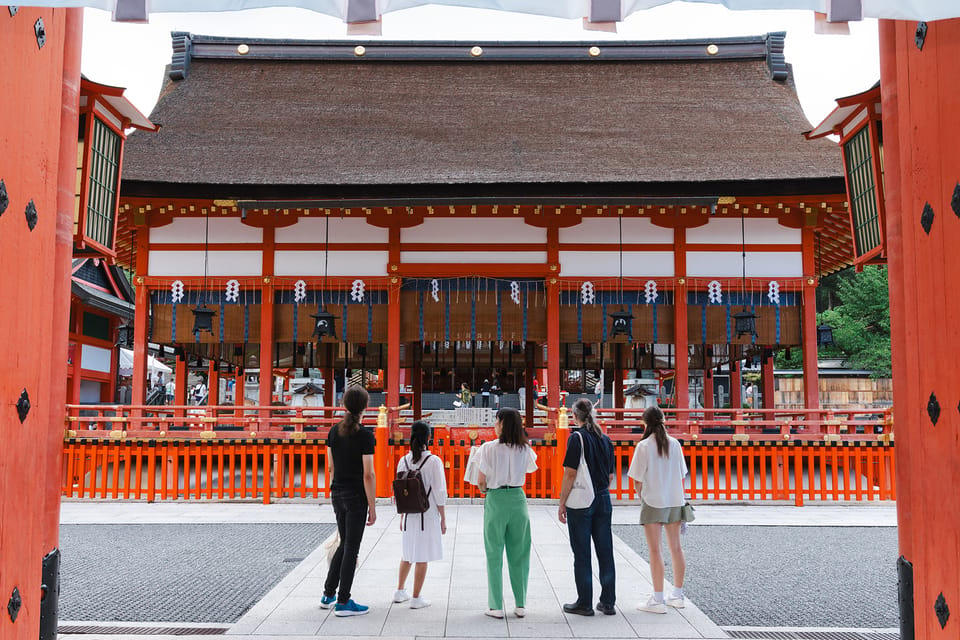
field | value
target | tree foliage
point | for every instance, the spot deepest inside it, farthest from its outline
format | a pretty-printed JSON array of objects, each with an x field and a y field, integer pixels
[{"x": 857, "y": 306}]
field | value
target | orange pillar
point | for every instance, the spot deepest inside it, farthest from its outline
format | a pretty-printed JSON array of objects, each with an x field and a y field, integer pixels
[
  {"x": 811, "y": 382},
  {"x": 736, "y": 392},
  {"x": 180, "y": 382},
  {"x": 766, "y": 380},
  {"x": 708, "y": 388},
  {"x": 266, "y": 322},
  {"x": 74, "y": 391},
  {"x": 681, "y": 367},
  {"x": 213, "y": 382},
  {"x": 141, "y": 318},
  {"x": 393, "y": 345},
  {"x": 921, "y": 169},
  {"x": 553, "y": 343}
]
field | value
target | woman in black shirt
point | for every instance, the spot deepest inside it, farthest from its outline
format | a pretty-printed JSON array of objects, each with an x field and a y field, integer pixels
[{"x": 353, "y": 493}]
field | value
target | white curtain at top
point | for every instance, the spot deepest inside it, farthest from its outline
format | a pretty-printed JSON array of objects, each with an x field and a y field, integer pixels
[{"x": 895, "y": 9}]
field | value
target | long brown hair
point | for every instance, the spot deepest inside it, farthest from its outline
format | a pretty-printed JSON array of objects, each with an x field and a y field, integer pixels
[
  {"x": 583, "y": 412},
  {"x": 653, "y": 417},
  {"x": 355, "y": 401},
  {"x": 512, "y": 432}
]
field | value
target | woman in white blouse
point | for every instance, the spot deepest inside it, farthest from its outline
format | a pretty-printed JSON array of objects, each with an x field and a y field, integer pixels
[
  {"x": 658, "y": 468},
  {"x": 504, "y": 465},
  {"x": 421, "y": 535}
]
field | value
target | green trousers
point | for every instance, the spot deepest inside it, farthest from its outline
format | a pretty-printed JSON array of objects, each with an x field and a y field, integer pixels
[{"x": 506, "y": 525}]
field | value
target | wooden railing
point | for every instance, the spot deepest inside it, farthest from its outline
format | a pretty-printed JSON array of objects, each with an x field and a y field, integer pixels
[{"x": 266, "y": 453}]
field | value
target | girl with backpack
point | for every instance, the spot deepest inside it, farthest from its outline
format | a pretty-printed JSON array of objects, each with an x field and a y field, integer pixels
[
  {"x": 353, "y": 493},
  {"x": 421, "y": 532},
  {"x": 504, "y": 465}
]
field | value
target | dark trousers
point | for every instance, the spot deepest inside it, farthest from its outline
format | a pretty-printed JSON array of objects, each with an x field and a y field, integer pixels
[
  {"x": 350, "y": 507},
  {"x": 485, "y": 398},
  {"x": 582, "y": 525}
]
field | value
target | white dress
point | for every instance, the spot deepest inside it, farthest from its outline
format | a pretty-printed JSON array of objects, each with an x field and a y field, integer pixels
[{"x": 426, "y": 544}]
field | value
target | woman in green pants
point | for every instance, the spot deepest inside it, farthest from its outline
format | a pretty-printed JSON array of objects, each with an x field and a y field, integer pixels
[{"x": 504, "y": 465}]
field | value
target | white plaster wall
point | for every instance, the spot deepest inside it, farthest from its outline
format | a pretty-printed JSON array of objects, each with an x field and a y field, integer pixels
[
  {"x": 756, "y": 231},
  {"x": 605, "y": 230},
  {"x": 607, "y": 263},
  {"x": 341, "y": 263},
  {"x": 767, "y": 264},
  {"x": 473, "y": 257},
  {"x": 190, "y": 263},
  {"x": 95, "y": 358},
  {"x": 493, "y": 230},
  {"x": 310, "y": 229},
  {"x": 192, "y": 230}
]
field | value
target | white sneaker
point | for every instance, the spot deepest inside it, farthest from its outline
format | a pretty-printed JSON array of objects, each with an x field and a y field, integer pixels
[
  {"x": 419, "y": 603},
  {"x": 652, "y": 606},
  {"x": 494, "y": 613},
  {"x": 677, "y": 602},
  {"x": 401, "y": 595},
  {"x": 520, "y": 612}
]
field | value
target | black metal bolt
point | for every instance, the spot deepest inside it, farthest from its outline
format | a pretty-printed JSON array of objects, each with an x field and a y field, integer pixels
[
  {"x": 933, "y": 408},
  {"x": 921, "y": 35},
  {"x": 13, "y": 606},
  {"x": 13, "y": 10},
  {"x": 23, "y": 405},
  {"x": 943, "y": 611},
  {"x": 31, "y": 215},
  {"x": 40, "y": 32},
  {"x": 926, "y": 218},
  {"x": 4, "y": 198},
  {"x": 954, "y": 203}
]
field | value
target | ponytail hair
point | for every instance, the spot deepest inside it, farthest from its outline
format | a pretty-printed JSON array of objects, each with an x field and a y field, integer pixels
[
  {"x": 583, "y": 413},
  {"x": 653, "y": 417},
  {"x": 355, "y": 401},
  {"x": 419, "y": 437}
]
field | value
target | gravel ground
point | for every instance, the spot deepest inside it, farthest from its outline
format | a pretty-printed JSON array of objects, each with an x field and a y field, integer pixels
[
  {"x": 788, "y": 576},
  {"x": 176, "y": 573}
]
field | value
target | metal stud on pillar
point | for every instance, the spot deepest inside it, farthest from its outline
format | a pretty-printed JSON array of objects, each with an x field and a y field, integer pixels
[{"x": 202, "y": 314}]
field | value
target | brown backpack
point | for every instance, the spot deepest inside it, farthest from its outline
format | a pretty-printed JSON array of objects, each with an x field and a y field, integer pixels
[{"x": 409, "y": 494}]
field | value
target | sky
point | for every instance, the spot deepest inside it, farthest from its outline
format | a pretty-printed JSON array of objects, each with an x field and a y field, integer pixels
[{"x": 825, "y": 67}]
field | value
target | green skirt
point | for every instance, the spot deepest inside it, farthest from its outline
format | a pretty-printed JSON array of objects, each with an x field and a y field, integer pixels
[{"x": 662, "y": 515}]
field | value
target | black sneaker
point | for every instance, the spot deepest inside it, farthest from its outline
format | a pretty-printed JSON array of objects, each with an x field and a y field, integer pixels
[
  {"x": 606, "y": 609},
  {"x": 578, "y": 609}
]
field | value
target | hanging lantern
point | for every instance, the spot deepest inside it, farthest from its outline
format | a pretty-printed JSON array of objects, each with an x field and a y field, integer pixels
[
  {"x": 203, "y": 319},
  {"x": 745, "y": 323},
  {"x": 824, "y": 335},
  {"x": 622, "y": 324},
  {"x": 323, "y": 324},
  {"x": 125, "y": 335}
]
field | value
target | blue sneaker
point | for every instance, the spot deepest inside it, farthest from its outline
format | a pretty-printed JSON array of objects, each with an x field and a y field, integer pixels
[
  {"x": 327, "y": 602},
  {"x": 350, "y": 608}
]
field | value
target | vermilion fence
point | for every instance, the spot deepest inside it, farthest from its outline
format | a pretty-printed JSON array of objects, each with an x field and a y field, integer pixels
[{"x": 267, "y": 453}]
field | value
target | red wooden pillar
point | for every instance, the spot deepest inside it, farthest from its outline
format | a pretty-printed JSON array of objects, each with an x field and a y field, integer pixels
[
  {"x": 141, "y": 318},
  {"x": 77, "y": 365},
  {"x": 180, "y": 381},
  {"x": 531, "y": 396},
  {"x": 768, "y": 387},
  {"x": 553, "y": 343},
  {"x": 238, "y": 387},
  {"x": 708, "y": 388},
  {"x": 922, "y": 168},
  {"x": 36, "y": 167},
  {"x": 811, "y": 381},
  {"x": 681, "y": 380},
  {"x": 266, "y": 322},
  {"x": 736, "y": 390},
  {"x": 213, "y": 382},
  {"x": 417, "y": 382},
  {"x": 393, "y": 345}
]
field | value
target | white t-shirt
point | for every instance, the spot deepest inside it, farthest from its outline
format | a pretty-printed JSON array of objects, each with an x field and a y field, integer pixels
[
  {"x": 431, "y": 473},
  {"x": 505, "y": 465},
  {"x": 661, "y": 476}
]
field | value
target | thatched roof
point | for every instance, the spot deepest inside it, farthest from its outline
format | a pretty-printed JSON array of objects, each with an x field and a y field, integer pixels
[{"x": 290, "y": 117}]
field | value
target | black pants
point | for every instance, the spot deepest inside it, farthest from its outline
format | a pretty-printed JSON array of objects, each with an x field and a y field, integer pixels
[
  {"x": 350, "y": 507},
  {"x": 486, "y": 400}
]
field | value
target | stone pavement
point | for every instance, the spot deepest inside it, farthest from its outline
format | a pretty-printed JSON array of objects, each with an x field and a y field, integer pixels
[{"x": 456, "y": 585}]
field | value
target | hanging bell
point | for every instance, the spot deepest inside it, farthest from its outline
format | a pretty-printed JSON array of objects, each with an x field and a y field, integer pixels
[
  {"x": 323, "y": 324},
  {"x": 203, "y": 319},
  {"x": 622, "y": 324},
  {"x": 745, "y": 323}
]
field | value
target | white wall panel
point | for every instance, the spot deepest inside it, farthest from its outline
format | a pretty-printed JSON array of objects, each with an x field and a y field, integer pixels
[
  {"x": 192, "y": 230},
  {"x": 725, "y": 264},
  {"x": 603, "y": 230},
  {"x": 341, "y": 230},
  {"x": 341, "y": 263},
  {"x": 474, "y": 257},
  {"x": 636, "y": 264},
  {"x": 493, "y": 230},
  {"x": 756, "y": 231},
  {"x": 190, "y": 263},
  {"x": 95, "y": 358}
]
